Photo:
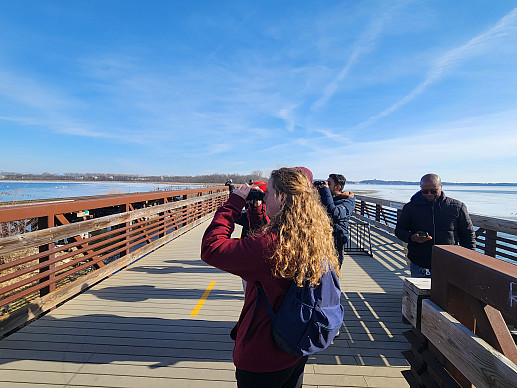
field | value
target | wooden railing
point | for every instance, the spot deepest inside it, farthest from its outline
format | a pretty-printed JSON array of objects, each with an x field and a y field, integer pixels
[
  {"x": 53, "y": 250},
  {"x": 461, "y": 319},
  {"x": 496, "y": 237}
]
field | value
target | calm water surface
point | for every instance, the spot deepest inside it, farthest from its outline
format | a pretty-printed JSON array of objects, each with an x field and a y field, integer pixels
[
  {"x": 23, "y": 191},
  {"x": 495, "y": 201}
]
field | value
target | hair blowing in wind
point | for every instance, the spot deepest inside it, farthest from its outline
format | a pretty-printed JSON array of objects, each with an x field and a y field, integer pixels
[{"x": 304, "y": 230}]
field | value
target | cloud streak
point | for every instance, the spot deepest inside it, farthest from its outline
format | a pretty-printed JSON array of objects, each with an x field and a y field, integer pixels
[
  {"x": 474, "y": 47},
  {"x": 362, "y": 159},
  {"x": 365, "y": 45}
]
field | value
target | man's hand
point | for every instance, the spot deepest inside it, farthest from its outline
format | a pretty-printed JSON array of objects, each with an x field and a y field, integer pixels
[{"x": 420, "y": 239}]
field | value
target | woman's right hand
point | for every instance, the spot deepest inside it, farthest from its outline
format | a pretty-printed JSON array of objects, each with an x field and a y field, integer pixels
[{"x": 242, "y": 190}]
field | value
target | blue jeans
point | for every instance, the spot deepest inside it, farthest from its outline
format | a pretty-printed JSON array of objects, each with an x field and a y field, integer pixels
[{"x": 418, "y": 272}]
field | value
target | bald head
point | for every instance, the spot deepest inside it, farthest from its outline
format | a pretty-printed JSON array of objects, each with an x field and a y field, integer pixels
[
  {"x": 431, "y": 179},
  {"x": 431, "y": 187}
]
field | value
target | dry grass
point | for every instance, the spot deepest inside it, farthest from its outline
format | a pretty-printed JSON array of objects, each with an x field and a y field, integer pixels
[{"x": 13, "y": 228}]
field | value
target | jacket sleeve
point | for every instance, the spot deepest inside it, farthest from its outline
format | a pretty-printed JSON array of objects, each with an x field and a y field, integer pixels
[
  {"x": 338, "y": 213},
  {"x": 402, "y": 229},
  {"x": 242, "y": 257},
  {"x": 466, "y": 233}
]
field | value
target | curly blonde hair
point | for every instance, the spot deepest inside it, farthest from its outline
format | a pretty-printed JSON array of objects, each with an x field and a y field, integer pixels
[{"x": 303, "y": 228}]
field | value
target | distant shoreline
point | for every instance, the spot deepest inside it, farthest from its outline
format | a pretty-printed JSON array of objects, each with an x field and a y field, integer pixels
[
  {"x": 400, "y": 183},
  {"x": 110, "y": 181},
  {"x": 374, "y": 182}
]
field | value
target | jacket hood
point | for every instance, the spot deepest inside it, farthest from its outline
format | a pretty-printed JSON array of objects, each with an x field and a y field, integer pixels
[{"x": 345, "y": 195}]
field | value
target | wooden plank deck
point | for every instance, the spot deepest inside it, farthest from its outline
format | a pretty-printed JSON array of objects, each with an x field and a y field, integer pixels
[{"x": 135, "y": 329}]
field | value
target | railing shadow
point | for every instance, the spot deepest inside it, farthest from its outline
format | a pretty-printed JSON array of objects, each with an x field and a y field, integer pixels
[
  {"x": 169, "y": 269},
  {"x": 108, "y": 338},
  {"x": 148, "y": 292},
  {"x": 159, "y": 342},
  {"x": 371, "y": 334},
  {"x": 388, "y": 266},
  {"x": 372, "y": 329}
]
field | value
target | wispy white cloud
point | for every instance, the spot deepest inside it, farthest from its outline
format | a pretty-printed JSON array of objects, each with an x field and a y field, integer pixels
[
  {"x": 363, "y": 46},
  {"x": 219, "y": 148},
  {"x": 448, "y": 148},
  {"x": 32, "y": 93},
  {"x": 287, "y": 115},
  {"x": 446, "y": 63}
]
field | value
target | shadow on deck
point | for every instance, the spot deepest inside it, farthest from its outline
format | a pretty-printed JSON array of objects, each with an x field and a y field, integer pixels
[{"x": 135, "y": 329}]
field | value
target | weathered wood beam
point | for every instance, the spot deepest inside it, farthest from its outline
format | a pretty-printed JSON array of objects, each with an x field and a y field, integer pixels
[{"x": 477, "y": 360}]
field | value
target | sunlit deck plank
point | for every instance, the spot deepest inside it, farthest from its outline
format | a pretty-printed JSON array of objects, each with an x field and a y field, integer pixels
[{"x": 134, "y": 329}]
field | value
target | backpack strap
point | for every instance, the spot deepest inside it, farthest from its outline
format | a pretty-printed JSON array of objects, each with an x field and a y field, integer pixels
[{"x": 268, "y": 306}]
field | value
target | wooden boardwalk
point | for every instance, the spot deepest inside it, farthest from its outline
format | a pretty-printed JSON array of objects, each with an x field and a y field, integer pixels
[{"x": 135, "y": 329}]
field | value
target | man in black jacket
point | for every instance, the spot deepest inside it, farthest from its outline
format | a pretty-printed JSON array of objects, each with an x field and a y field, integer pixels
[
  {"x": 340, "y": 206},
  {"x": 431, "y": 218}
]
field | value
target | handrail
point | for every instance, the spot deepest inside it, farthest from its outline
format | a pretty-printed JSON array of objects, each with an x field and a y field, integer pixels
[
  {"x": 460, "y": 336},
  {"x": 77, "y": 243},
  {"x": 494, "y": 235},
  {"x": 30, "y": 209}
]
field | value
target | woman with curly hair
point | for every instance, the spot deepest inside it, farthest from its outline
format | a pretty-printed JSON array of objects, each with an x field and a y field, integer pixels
[{"x": 297, "y": 244}]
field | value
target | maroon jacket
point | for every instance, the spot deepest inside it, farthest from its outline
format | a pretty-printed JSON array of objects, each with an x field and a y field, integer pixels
[{"x": 255, "y": 349}]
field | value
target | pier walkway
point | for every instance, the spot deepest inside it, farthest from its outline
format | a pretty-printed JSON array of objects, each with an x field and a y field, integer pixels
[{"x": 138, "y": 328}]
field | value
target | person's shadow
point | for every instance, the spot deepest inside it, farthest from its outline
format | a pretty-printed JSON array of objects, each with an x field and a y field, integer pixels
[{"x": 108, "y": 338}]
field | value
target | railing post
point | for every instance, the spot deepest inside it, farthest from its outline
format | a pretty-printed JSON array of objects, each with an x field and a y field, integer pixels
[
  {"x": 378, "y": 209},
  {"x": 490, "y": 243},
  {"x": 164, "y": 220},
  {"x": 127, "y": 232},
  {"x": 44, "y": 223}
]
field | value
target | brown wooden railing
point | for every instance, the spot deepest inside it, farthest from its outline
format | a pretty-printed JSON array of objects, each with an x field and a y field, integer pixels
[
  {"x": 461, "y": 319},
  {"x": 53, "y": 250},
  {"x": 496, "y": 237}
]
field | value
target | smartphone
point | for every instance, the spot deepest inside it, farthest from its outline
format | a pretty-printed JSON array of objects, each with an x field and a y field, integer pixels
[{"x": 423, "y": 234}]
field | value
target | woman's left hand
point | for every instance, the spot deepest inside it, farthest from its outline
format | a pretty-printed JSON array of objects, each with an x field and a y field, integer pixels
[{"x": 242, "y": 190}]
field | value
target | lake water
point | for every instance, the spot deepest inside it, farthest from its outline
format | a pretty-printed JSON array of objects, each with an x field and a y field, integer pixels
[
  {"x": 22, "y": 191},
  {"x": 494, "y": 201}
]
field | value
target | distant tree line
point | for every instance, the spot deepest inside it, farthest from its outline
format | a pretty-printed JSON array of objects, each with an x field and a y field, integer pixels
[
  {"x": 256, "y": 175},
  {"x": 103, "y": 177}
]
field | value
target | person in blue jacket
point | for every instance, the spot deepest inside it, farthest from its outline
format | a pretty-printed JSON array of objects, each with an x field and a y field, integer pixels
[{"x": 340, "y": 205}]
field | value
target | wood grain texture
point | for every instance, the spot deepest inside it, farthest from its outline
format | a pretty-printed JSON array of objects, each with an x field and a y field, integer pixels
[{"x": 478, "y": 361}]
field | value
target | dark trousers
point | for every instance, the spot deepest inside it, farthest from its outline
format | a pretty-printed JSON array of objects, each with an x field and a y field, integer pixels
[{"x": 291, "y": 377}]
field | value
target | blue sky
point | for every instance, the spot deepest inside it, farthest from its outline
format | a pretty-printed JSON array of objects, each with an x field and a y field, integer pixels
[{"x": 370, "y": 89}]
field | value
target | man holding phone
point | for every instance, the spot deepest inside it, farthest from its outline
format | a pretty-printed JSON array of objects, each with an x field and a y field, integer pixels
[{"x": 431, "y": 218}]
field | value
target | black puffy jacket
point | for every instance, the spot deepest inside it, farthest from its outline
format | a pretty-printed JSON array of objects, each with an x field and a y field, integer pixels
[{"x": 446, "y": 220}]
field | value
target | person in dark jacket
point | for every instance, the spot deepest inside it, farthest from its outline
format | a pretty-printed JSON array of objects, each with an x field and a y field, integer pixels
[
  {"x": 294, "y": 245},
  {"x": 340, "y": 206},
  {"x": 254, "y": 213},
  {"x": 432, "y": 218}
]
